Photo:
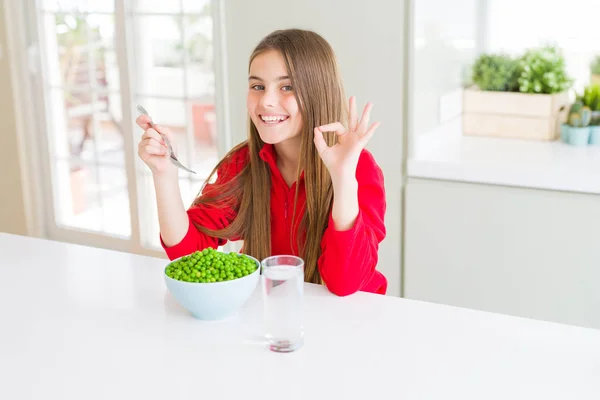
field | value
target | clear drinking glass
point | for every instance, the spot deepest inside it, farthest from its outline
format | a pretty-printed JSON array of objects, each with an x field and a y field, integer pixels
[{"x": 283, "y": 291}]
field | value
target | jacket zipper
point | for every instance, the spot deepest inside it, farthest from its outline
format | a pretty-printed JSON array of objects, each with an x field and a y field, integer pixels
[{"x": 285, "y": 210}]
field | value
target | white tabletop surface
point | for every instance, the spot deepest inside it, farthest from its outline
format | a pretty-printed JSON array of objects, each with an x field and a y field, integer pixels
[
  {"x": 84, "y": 323},
  {"x": 446, "y": 154}
]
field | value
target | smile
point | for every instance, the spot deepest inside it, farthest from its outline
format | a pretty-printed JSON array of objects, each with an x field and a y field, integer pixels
[{"x": 273, "y": 119}]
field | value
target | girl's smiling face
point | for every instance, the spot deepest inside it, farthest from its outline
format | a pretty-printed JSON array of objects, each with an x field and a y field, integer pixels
[{"x": 271, "y": 101}]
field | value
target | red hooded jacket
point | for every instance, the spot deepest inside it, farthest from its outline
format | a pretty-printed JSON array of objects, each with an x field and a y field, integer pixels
[{"x": 348, "y": 258}]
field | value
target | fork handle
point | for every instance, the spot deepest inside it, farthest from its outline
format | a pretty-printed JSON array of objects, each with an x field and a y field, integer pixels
[{"x": 172, "y": 153}]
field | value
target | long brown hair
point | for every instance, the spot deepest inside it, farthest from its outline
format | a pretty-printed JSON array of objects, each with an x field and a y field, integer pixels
[{"x": 313, "y": 71}]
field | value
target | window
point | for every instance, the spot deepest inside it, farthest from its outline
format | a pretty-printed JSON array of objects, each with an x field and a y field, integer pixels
[
  {"x": 99, "y": 59},
  {"x": 513, "y": 26}
]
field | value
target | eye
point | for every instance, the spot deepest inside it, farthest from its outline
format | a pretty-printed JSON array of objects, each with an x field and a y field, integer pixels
[
  {"x": 258, "y": 87},
  {"x": 287, "y": 88}
]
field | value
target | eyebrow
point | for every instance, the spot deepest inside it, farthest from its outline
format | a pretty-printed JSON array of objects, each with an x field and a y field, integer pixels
[{"x": 280, "y": 78}]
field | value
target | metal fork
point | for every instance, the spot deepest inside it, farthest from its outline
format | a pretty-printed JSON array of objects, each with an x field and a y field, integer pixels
[{"x": 174, "y": 159}]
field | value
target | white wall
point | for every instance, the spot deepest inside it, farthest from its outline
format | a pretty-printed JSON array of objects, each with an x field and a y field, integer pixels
[{"x": 368, "y": 38}]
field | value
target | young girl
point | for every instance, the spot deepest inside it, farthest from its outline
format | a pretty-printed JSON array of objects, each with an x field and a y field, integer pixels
[{"x": 301, "y": 184}]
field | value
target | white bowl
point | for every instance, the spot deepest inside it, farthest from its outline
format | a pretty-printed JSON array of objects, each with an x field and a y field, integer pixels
[{"x": 216, "y": 300}]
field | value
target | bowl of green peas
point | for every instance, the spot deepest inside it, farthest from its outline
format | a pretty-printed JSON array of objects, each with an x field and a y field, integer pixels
[{"x": 211, "y": 284}]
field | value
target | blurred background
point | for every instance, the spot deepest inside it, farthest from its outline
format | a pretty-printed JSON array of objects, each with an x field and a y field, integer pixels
[{"x": 488, "y": 140}]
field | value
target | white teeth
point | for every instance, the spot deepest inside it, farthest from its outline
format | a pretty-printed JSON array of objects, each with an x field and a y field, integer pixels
[{"x": 272, "y": 118}]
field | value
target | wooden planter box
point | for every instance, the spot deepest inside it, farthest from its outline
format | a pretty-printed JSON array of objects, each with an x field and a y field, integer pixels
[{"x": 513, "y": 115}]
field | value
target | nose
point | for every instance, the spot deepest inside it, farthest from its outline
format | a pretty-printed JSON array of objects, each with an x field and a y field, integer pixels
[{"x": 269, "y": 98}]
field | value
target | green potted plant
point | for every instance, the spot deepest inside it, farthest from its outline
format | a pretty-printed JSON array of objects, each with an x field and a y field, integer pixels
[
  {"x": 579, "y": 120},
  {"x": 543, "y": 70},
  {"x": 591, "y": 99},
  {"x": 496, "y": 72},
  {"x": 595, "y": 70},
  {"x": 521, "y": 97}
]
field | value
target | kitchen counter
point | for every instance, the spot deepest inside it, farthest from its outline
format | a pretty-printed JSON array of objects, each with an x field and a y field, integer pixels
[{"x": 445, "y": 154}]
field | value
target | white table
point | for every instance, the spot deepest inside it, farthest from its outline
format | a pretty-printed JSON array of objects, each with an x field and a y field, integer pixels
[{"x": 85, "y": 323}]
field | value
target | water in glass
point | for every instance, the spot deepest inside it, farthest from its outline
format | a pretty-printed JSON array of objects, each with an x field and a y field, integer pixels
[{"x": 283, "y": 290}]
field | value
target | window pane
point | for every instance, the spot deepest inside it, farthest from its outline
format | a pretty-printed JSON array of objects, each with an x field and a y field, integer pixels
[
  {"x": 114, "y": 195},
  {"x": 86, "y": 125},
  {"x": 197, "y": 6},
  {"x": 50, "y": 5},
  {"x": 79, "y": 5},
  {"x": 149, "y": 228},
  {"x": 199, "y": 53},
  {"x": 158, "y": 56},
  {"x": 80, "y": 49},
  {"x": 108, "y": 134},
  {"x": 69, "y": 122},
  {"x": 204, "y": 129},
  {"x": 571, "y": 35},
  {"x": 76, "y": 196},
  {"x": 109, "y": 75},
  {"x": 104, "y": 6},
  {"x": 66, "y": 37},
  {"x": 89, "y": 181},
  {"x": 156, "y": 6},
  {"x": 102, "y": 39},
  {"x": 200, "y": 89},
  {"x": 92, "y": 198}
]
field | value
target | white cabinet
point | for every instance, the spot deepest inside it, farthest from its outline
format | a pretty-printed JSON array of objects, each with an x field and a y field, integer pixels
[{"x": 524, "y": 252}]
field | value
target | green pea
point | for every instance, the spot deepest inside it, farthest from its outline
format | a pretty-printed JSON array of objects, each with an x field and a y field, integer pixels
[{"x": 209, "y": 265}]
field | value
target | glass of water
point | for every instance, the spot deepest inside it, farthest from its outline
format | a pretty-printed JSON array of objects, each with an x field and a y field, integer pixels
[{"x": 283, "y": 291}]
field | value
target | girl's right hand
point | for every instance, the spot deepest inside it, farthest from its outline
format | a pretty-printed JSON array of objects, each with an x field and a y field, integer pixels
[{"x": 152, "y": 149}]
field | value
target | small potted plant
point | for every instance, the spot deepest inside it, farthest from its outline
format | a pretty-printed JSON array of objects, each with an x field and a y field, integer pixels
[
  {"x": 595, "y": 71},
  {"x": 580, "y": 117},
  {"x": 591, "y": 99},
  {"x": 496, "y": 72},
  {"x": 517, "y": 98}
]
